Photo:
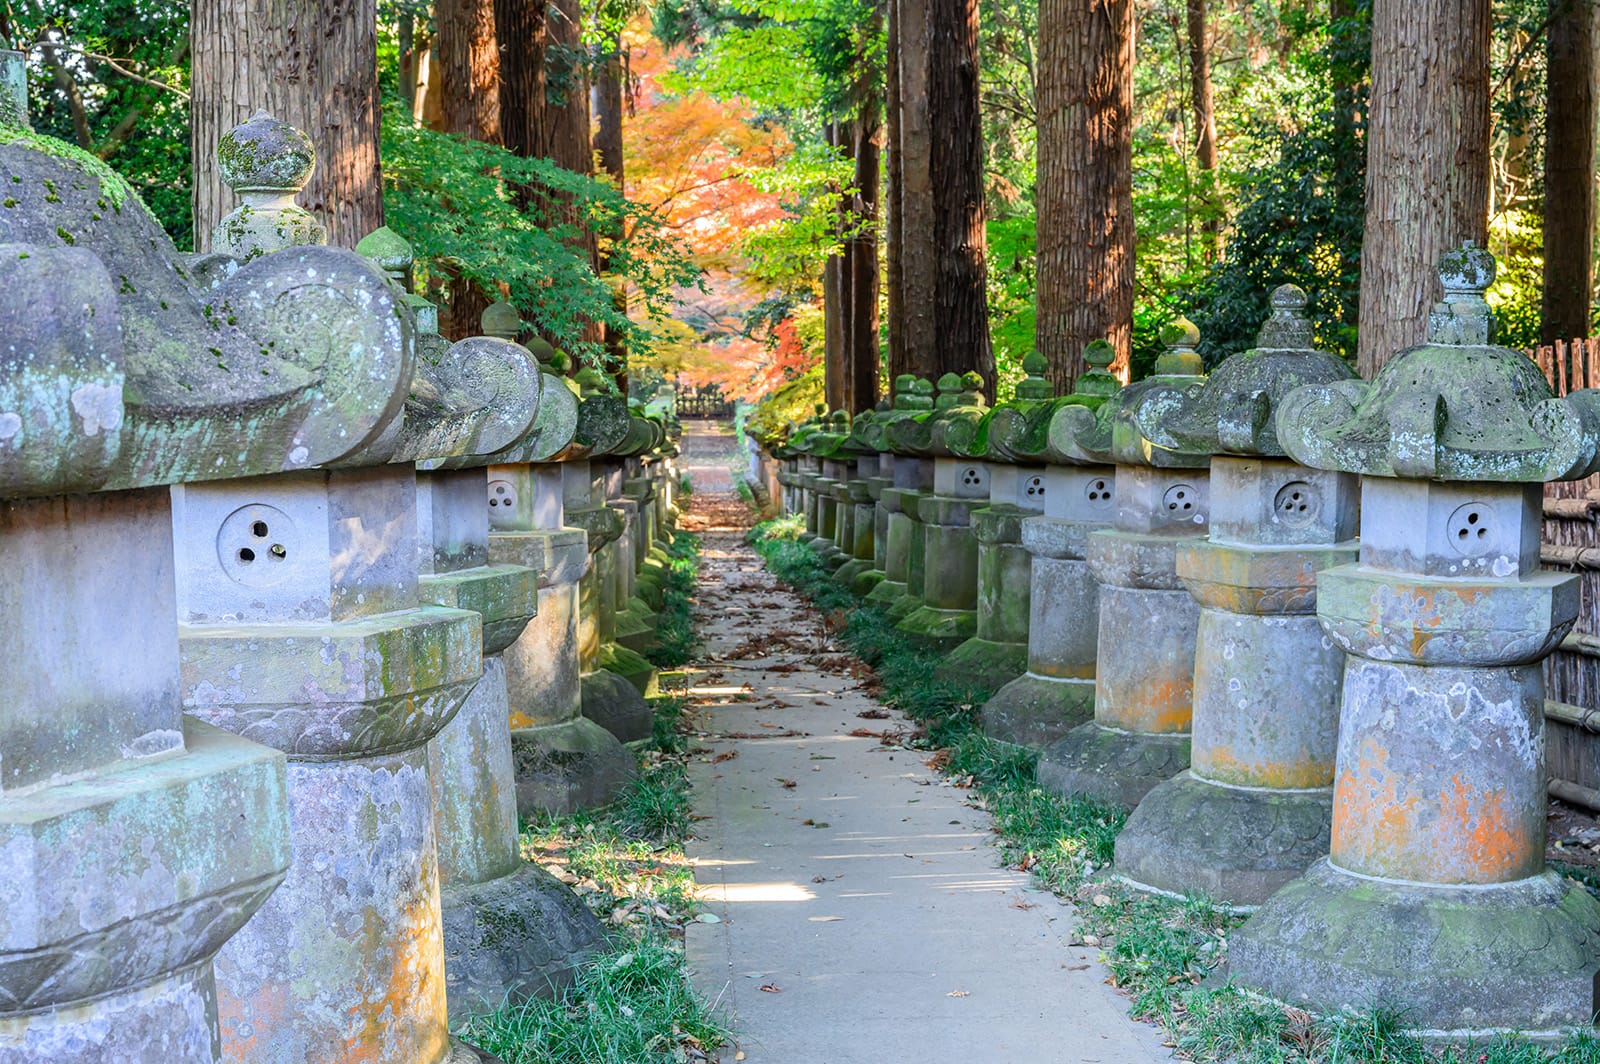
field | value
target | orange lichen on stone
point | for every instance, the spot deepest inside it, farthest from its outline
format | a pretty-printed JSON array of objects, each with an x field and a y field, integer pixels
[
  {"x": 1221, "y": 763},
  {"x": 1161, "y": 703}
]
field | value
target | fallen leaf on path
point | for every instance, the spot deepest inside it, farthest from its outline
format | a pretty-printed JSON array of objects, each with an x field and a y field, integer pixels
[
  {"x": 787, "y": 784},
  {"x": 873, "y": 714},
  {"x": 1023, "y": 904},
  {"x": 1077, "y": 967},
  {"x": 771, "y": 988},
  {"x": 708, "y": 918},
  {"x": 958, "y": 993},
  {"x": 726, "y": 755}
]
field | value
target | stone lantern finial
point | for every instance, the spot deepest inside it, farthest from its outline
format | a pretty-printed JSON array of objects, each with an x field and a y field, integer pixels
[
  {"x": 903, "y": 387},
  {"x": 502, "y": 320},
  {"x": 393, "y": 254},
  {"x": 1463, "y": 316},
  {"x": 1180, "y": 358},
  {"x": 267, "y": 162},
  {"x": 949, "y": 392},
  {"x": 13, "y": 90},
  {"x": 921, "y": 397},
  {"x": 390, "y": 252},
  {"x": 1097, "y": 382},
  {"x": 1287, "y": 327},
  {"x": 1035, "y": 386}
]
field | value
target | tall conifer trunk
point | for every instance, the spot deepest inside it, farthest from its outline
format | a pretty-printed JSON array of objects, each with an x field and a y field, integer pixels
[
  {"x": 1427, "y": 162},
  {"x": 914, "y": 196},
  {"x": 1569, "y": 160},
  {"x": 1205, "y": 124},
  {"x": 313, "y": 65},
  {"x": 893, "y": 235},
  {"x": 607, "y": 102},
  {"x": 961, "y": 302},
  {"x": 1084, "y": 189}
]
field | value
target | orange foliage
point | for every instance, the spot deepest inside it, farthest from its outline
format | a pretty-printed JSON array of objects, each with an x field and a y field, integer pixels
[{"x": 689, "y": 156}]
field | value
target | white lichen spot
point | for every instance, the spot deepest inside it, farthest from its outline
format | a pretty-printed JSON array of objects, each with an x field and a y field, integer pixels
[
  {"x": 299, "y": 455},
  {"x": 10, "y": 425},
  {"x": 98, "y": 407}
]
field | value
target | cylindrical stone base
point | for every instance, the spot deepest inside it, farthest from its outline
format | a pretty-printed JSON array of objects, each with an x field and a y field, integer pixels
[
  {"x": 1035, "y": 710},
  {"x": 1109, "y": 765},
  {"x": 1057, "y": 692},
  {"x": 1236, "y": 845},
  {"x": 1256, "y": 811},
  {"x": 563, "y": 761},
  {"x": 1460, "y": 960},
  {"x": 343, "y": 961},
  {"x": 563, "y": 767},
  {"x": 510, "y": 938},
  {"x": 984, "y": 665},
  {"x": 510, "y": 929},
  {"x": 1143, "y": 700},
  {"x": 614, "y": 703},
  {"x": 171, "y": 1019}
]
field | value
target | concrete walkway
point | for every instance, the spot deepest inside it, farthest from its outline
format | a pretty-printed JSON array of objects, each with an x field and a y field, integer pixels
[{"x": 863, "y": 916}]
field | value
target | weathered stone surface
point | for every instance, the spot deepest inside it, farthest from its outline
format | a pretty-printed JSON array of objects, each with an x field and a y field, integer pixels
[
  {"x": 521, "y": 935},
  {"x": 612, "y": 701},
  {"x": 575, "y": 764},
  {"x": 1242, "y": 843},
  {"x": 1517, "y": 955},
  {"x": 1145, "y": 649},
  {"x": 1434, "y": 896},
  {"x": 289, "y": 361},
  {"x": 1111, "y": 766},
  {"x": 1266, "y": 678},
  {"x": 354, "y": 931}
]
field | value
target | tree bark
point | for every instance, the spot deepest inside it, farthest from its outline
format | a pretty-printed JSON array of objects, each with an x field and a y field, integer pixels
[
  {"x": 914, "y": 199},
  {"x": 607, "y": 101},
  {"x": 1569, "y": 161},
  {"x": 892, "y": 233},
  {"x": 961, "y": 302},
  {"x": 1205, "y": 124},
  {"x": 835, "y": 292},
  {"x": 312, "y": 63},
  {"x": 520, "y": 29},
  {"x": 1427, "y": 162},
  {"x": 861, "y": 253},
  {"x": 1084, "y": 190}
]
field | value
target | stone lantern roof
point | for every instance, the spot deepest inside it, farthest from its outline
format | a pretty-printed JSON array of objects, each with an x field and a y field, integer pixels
[
  {"x": 1456, "y": 408},
  {"x": 1020, "y": 431},
  {"x": 166, "y": 370},
  {"x": 1112, "y": 433},
  {"x": 1233, "y": 412},
  {"x": 958, "y": 408}
]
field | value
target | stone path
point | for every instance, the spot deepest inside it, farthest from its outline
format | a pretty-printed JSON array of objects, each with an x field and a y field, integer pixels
[{"x": 862, "y": 912}]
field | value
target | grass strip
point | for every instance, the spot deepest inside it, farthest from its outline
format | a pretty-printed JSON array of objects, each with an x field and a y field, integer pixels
[
  {"x": 632, "y": 1003},
  {"x": 1165, "y": 954},
  {"x": 676, "y": 641}
]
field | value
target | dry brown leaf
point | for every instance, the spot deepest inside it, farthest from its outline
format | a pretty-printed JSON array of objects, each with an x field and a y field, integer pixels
[
  {"x": 726, "y": 755},
  {"x": 771, "y": 988}
]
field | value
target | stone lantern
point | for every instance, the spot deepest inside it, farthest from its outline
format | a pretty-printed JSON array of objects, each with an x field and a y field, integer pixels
[
  {"x": 1056, "y": 694},
  {"x": 302, "y": 625},
  {"x": 564, "y": 758},
  {"x": 1144, "y": 668},
  {"x": 948, "y": 611},
  {"x": 510, "y": 928},
  {"x": 902, "y": 533},
  {"x": 1253, "y": 810},
  {"x": 134, "y": 840},
  {"x": 1435, "y": 897},
  {"x": 856, "y": 498},
  {"x": 997, "y": 652}
]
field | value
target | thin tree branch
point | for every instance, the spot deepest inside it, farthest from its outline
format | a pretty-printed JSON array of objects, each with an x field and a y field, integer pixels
[{"x": 125, "y": 72}]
